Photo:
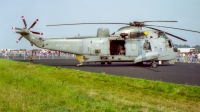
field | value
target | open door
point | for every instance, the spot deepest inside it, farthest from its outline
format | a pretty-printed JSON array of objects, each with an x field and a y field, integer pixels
[{"x": 117, "y": 47}]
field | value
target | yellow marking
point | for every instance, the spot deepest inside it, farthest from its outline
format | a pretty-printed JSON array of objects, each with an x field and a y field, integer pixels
[
  {"x": 79, "y": 58},
  {"x": 146, "y": 32}
]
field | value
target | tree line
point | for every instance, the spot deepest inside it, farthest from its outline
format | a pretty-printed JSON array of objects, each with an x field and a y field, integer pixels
[{"x": 187, "y": 46}]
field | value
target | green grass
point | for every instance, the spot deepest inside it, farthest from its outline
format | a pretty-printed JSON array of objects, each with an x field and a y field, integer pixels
[{"x": 29, "y": 87}]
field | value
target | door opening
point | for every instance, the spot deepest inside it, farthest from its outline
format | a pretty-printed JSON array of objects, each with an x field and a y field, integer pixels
[{"x": 117, "y": 47}]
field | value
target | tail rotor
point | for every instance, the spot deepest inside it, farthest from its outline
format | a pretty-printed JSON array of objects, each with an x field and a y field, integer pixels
[{"x": 25, "y": 27}]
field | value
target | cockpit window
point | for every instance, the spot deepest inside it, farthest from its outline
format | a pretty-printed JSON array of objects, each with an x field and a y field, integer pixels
[
  {"x": 160, "y": 33},
  {"x": 165, "y": 36}
]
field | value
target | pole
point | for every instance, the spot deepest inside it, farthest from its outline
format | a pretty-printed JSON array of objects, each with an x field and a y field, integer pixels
[{"x": 39, "y": 54}]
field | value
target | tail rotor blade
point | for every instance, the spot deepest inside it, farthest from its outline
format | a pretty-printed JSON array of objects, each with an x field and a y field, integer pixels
[
  {"x": 19, "y": 39},
  {"x": 39, "y": 33},
  {"x": 15, "y": 28},
  {"x": 23, "y": 19},
  {"x": 34, "y": 23}
]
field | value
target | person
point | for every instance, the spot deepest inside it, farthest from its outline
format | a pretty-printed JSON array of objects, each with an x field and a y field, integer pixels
[
  {"x": 20, "y": 53},
  {"x": 3, "y": 53},
  {"x": 49, "y": 53},
  {"x": 35, "y": 54},
  {"x": 38, "y": 52},
  {"x": 120, "y": 49},
  {"x": 14, "y": 54},
  {"x": 186, "y": 57},
  {"x": 189, "y": 58},
  {"x": 198, "y": 57},
  {"x": 183, "y": 57},
  {"x": 179, "y": 57},
  {"x": 193, "y": 58},
  {"x": 6, "y": 52},
  {"x": 56, "y": 53},
  {"x": 53, "y": 53},
  {"x": 26, "y": 53},
  {"x": 44, "y": 53}
]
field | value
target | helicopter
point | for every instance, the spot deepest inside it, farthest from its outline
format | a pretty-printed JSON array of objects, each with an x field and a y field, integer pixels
[{"x": 129, "y": 44}]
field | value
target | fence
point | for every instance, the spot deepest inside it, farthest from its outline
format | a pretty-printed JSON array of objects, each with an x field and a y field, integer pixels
[{"x": 24, "y": 56}]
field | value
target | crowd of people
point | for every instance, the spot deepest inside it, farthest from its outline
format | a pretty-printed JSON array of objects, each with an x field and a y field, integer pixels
[
  {"x": 34, "y": 53},
  {"x": 190, "y": 57}
]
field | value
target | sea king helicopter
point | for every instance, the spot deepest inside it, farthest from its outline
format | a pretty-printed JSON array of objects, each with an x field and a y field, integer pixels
[{"x": 129, "y": 44}]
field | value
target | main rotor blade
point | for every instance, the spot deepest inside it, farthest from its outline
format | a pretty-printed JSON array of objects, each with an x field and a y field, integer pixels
[
  {"x": 87, "y": 23},
  {"x": 131, "y": 24},
  {"x": 23, "y": 19},
  {"x": 39, "y": 33},
  {"x": 15, "y": 28},
  {"x": 174, "y": 28},
  {"x": 176, "y": 36},
  {"x": 168, "y": 34},
  {"x": 157, "y": 21},
  {"x": 34, "y": 23}
]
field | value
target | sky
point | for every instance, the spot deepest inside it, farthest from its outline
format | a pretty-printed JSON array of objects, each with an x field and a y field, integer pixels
[{"x": 186, "y": 12}]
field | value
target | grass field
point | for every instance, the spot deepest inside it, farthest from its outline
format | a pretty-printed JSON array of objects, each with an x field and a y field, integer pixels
[{"x": 29, "y": 87}]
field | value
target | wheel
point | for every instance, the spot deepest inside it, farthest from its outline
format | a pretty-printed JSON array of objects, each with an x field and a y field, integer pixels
[{"x": 154, "y": 65}]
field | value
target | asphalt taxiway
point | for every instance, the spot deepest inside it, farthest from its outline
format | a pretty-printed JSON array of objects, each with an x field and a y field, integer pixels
[{"x": 179, "y": 73}]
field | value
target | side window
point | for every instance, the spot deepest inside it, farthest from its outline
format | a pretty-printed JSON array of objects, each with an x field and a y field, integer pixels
[
  {"x": 170, "y": 44},
  {"x": 146, "y": 45}
]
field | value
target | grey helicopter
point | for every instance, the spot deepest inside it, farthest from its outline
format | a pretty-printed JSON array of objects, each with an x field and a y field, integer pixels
[{"x": 129, "y": 44}]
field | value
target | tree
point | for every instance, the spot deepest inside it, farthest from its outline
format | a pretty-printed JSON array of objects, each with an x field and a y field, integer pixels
[
  {"x": 187, "y": 46},
  {"x": 182, "y": 46},
  {"x": 197, "y": 47}
]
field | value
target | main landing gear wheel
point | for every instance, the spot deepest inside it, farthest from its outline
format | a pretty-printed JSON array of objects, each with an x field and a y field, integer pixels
[{"x": 153, "y": 64}]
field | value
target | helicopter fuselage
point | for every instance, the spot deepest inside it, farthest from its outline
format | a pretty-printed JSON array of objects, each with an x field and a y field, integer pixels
[{"x": 136, "y": 48}]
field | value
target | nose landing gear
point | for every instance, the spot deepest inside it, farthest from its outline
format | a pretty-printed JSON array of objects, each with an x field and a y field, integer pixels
[{"x": 153, "y": 64}]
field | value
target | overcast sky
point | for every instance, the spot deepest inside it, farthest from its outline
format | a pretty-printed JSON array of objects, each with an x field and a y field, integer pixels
[{"x": 186, "y": 12}]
